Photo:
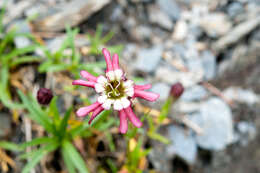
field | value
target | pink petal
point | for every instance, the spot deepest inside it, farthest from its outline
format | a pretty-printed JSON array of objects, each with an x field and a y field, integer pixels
[
  {"x": 143, "y": 87},
  {"x": 123, "y": 122},
  {"x": 85, "y": 110},
  {"x": 132, "y": 117},
  {"x": 95, "y": 113},
  {"x": 108, "y": 59},
  {"x": 150, "y": 96},
  {"x": 84, "y": 83},
  {"x": 88, "y": 76},
  {"x": 115, "y": 61}
]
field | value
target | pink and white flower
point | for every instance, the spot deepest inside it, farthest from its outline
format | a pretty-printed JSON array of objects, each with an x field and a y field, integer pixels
[{"x": 114, "y": 91}]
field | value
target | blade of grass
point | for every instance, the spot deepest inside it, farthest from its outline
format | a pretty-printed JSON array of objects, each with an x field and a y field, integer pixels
[
  {"x": 37, "y": 141},
  {"x": 37, "y": 156},
  {"x": 10, "y": 146},
  {"x": 36, "y": 113},
  {"x": 75, "y": 157},
  {"x": 67, "y": 161},
  {"x": 64, "y": 122},
  {"x": 24, "y": 59}
]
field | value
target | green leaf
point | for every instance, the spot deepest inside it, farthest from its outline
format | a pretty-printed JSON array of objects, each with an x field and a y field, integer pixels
[
  {"x": 37, "y": 156},
  {"x": 54, "y": 111},
  {"x": 37, "y": 141},
  {"x": 67, "y": 161},
  {"x": 158, "y": 137},
  {"x": 10, "y": 146},
  {"x": 75, "y": 157},
  {"x": 36, "y": 113},
  {"x": 58, "y": 67},
  {"x": 20, "y": 51},
  {"x": 64, "y": 122},
  {"x": 24, "y": 59},
  {"x": 165, "y": 109}
]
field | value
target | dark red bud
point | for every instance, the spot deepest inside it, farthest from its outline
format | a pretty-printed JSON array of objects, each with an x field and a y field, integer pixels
[
  {"x": 44, "y": 96},
  {"x": 176, "y": 90}
]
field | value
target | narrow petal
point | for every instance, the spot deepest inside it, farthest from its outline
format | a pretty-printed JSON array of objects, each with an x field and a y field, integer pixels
[
  {"x": 108, "y": 59},
  {"x": 150, "y": 96},
  {"x": 118, "y": 105},
  {"x": 99, "y": 88},
  {"x": 143, "y": 87},
  {"x": 129, "y": 91},
  {"x": 88, "y": 76},
  {"x": 111, "y": 75},
  {"x": 115, "y": 61},
  {"x": 125, "y": 102},
  {"x": 132, "y": 117},
  {"x": 102, "y": 80},
  {"x": 118, "y": 74},
  {"x": 107, "y": 104},
  {"x": 85, "y": 110},
  {"x": 95, "y": 113},
  {"x": 128, "y": 83},
  {"x": 84, "y": 83},
  {"x": 123, "y": 122},
  {"x": 101, "y": 99}
]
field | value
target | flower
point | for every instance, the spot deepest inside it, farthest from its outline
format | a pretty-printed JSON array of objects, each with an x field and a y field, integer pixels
[
  {"x": 114, "y": 91},
  {"x": 176, "y": 90},
  {"x": 44, "y": 96}
]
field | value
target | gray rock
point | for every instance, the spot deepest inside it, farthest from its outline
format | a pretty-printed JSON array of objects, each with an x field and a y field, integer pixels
[
  {"x": 235, "y": 9},
  {"x": 187, "y": 79},
  {"x": 159, "y": 158},
  {"x": 183, "y": 144},
  {"x": 22, "y": 27},
  {"x": 216, "y": 122},
  {"x": 170, "y": 7},
  {"x": 195, "y": 93},
  {"x": 209, "y": 65},
  {"x": 247, "y": 132},
  {"x": 215, "y": 24},
  {"x": 5, "y": 125},
  {"x": 148, "y": 59},
  {"x": 157, "y": 16},
  {"x": 241, "y": 95},
  {"x": 162, "y": 89},
  {"x": 71, "y": 13}
]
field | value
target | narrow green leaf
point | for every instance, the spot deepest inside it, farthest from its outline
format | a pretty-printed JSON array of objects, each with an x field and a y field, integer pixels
[
  {"x": 10, "y": 146},
  {"x": 37, "y": 141},
  {"x": 64, "y": 122},
  {"x": 36, "y": 113},
  {"x": 165, "y": 109},
  {"x": 37, "y": 156},
  {"x": 75, "y": 157},
  {"x": 24, "y": 59},
  {"x": 20, "y": 51},
  {"x": 54, "y": 111},
  {"x": 67, "y": 160}
]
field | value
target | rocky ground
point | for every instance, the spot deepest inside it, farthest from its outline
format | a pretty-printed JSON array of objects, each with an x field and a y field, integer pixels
[{"x": 211, "y": 47}]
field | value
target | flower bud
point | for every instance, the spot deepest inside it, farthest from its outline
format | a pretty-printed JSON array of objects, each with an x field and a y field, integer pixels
[
  {"x": 44, "y": 96},
  {"x": 176, "y": 90}
]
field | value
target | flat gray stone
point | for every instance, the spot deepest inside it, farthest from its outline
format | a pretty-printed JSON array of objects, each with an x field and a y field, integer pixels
[
  {"x": 194, "y": 93},
  {"x": 149, "y": 58},
  {"x": 183, "y": 144},
  {"x": 157, "y": 16},
  {"x": 162, "y": 89},
  {"x": 171, "y": 8},
  {"x": 242, "y": 95},
  {"x": 209, "y": 65},
  {"x": 216, "y": 122}
]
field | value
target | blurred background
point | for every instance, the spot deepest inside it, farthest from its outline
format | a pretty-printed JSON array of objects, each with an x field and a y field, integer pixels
[{"x": 211, "y": 47}]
